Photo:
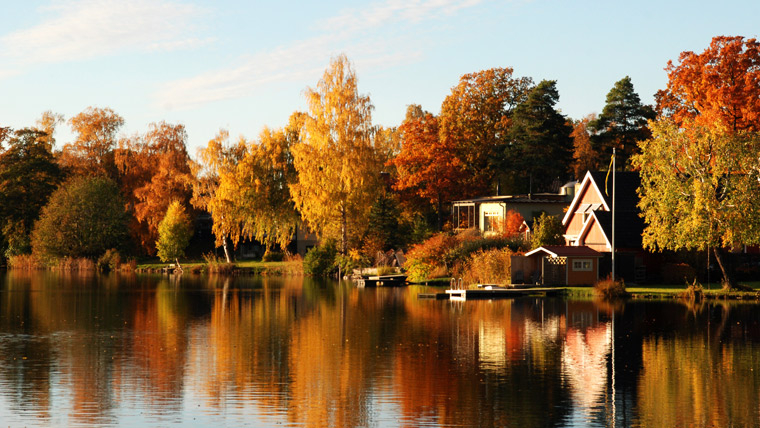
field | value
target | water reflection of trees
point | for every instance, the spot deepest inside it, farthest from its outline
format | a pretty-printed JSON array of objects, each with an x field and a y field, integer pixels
[
  {"x": 288, "y": 350},
  {"x": 94, "y": 343},
  {"x": 703, "y": 373}
]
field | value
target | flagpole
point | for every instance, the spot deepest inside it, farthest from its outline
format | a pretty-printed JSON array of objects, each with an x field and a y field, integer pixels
[{"x": 613, "y": 214}]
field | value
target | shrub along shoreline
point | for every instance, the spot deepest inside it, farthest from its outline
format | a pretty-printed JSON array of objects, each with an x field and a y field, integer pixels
[
  {"x": 248, "y": 267},
  {"x": 111, "y": 262}
]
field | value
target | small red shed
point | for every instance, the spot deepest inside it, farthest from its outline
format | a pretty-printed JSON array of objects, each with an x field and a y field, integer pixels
[{"x": 564, "y": 265}]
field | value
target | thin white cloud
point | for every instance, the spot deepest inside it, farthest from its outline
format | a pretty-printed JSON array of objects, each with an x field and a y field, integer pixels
[
  {"x": 351, "y": 31},
  {"x": 394, "y": 11},
  {"x": 285, "y": 63},
  {"x": 78, "y": 30}
]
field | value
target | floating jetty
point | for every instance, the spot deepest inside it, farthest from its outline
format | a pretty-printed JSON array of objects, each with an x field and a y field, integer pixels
[
  {"x": 490, "y": 292},
  {"x": 500, "y": 293},
  {"x": 381, "y": 280}
]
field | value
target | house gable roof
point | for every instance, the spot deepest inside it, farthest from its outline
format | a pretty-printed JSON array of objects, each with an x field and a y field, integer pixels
[
  {"x": 592, "y": 221},
  {"x": 626, "y": 198},
  {"x": 565, "y": 251},
  {"x": 589, "y": 184}
]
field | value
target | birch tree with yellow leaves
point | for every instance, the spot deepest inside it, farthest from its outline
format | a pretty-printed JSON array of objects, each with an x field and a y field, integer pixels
[
  {"x": 261, "y": 183},
  {"x": 336, "y": 161},
  {"x": 218, "y": 159},
  {"x": 699, "y": 188}
]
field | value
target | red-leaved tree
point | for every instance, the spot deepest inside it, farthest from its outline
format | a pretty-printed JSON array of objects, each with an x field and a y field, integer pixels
[{"x": 720, "y": 85}]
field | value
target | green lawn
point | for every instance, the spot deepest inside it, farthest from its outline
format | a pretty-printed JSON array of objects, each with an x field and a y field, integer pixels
[{"x": 672, "y": 290}]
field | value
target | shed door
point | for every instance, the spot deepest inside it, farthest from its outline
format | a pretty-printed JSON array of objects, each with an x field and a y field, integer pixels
[{"x": 555, "y": 270}]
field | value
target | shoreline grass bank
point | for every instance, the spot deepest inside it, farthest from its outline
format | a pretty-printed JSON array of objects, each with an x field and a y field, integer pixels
[
  {"x": 649, "y": 291},
  {"x": 247, "y": 267}
]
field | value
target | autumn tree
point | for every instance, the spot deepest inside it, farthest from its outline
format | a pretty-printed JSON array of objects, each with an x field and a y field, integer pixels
[
  {"x": 174, "y": 233},
  {"x": 475, "y": 118},
  {"x": 28, "y": 176},
  {"x": 219, "y": 158},
  {"x": 260, "y": 188},
  {"x": 47, "y": 123},
  {"x": 5, "y": 132},
  {"x": 540, "y": 146},
  {"x": 427, "y": 165},
  {"x": 720, "y": 85},
  {"x": 388, "y": 143},
  {"x": 91, "y": 152},
  {"x": 154, "y": 170},
  {"x": 83, "y": 218},
  {"x": 699, "y": 187},
  {"x": 623, "y": 122},
  {"x": 585, "y": 158},
  {"x": 700, "y": 168},
  {"x": 547, "y": 230},
  {"x": 337, "y": 164},
  {"x": 511, "y": 225}
]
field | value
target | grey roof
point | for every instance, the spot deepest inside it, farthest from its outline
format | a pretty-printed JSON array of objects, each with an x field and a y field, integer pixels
[{"x": 517, "y": 199}]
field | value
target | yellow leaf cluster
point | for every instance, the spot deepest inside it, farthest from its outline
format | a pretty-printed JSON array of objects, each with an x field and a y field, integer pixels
[{"x": 338, "y": 166}]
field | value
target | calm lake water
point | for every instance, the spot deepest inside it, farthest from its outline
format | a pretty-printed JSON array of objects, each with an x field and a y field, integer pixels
[{"x": 207, "y": 351}]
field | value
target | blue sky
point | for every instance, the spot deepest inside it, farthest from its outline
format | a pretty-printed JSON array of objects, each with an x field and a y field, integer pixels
[{"x": 241, "y": 65}]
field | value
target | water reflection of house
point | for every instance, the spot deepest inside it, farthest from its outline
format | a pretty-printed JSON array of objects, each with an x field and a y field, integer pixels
[
  {"x": 584, "y": 364},
  {"x": 586, "y": 347},
  {"x": 486, "y": 213},
  {"x": 492, "y": 345}
]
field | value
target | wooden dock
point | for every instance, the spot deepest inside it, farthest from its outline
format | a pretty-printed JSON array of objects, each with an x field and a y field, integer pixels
[
  {"x": 491, "y": 292},
  {"x": 381, "y": 281},
  {"x": 500, "y": 293}
]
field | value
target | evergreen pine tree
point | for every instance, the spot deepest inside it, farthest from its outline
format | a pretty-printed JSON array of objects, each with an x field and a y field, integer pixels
[
  {"x": 541, "y": 146},
  {"x": 622, "y": 124}
]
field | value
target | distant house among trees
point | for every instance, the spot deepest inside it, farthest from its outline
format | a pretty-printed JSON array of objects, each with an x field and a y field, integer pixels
[
  {"x": 487, "y": 213},
  {"x": 588, "y": 222}
]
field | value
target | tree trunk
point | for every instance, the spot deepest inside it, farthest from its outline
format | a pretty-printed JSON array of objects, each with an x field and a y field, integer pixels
[
  {"x": 226, "y": 250},
  {"x": 343, "y": 232},
  {"x": 179, "y": 268},
  {"x": 440, "y": 214},
  {"x": 727, "y": 279}
]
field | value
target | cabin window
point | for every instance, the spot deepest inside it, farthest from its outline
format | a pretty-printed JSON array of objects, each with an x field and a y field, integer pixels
[
  {"x": 582, "y": 265},
  {"x": 490, "y": 221}
]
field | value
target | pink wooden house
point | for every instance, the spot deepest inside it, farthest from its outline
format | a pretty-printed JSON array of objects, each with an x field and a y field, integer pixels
[{"x": 588, "y": 222}]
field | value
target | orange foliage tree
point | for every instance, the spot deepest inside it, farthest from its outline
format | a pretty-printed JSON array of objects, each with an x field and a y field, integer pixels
[
  {"x": 92, "y": 151},
  {"x": 475, "y": 118},
  {"x": 155, "y": 171},
  {"x": 511, "y": 225},
  {"x": 427, "y": 165},
  {"x": 585, "y": 158},
  {"x": 720, "y": 85}
]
